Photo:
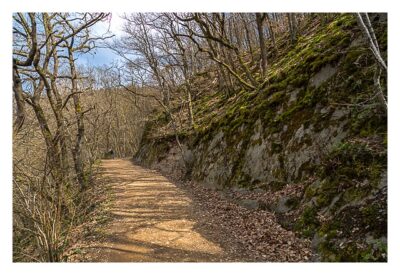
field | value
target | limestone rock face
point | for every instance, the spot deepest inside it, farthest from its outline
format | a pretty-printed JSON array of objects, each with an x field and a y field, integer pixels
[
  {"x": 268, "y": 157},
  {"x": 323, "y": 75}
]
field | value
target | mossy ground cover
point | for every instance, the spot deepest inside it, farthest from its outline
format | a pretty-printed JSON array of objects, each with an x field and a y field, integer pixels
[{"x": 290, "y": 69}]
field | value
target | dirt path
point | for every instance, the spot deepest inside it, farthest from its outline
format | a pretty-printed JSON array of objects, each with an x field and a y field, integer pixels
[
  {"x": 156, "y": 220},
  {"x": 151, "y": 220}
]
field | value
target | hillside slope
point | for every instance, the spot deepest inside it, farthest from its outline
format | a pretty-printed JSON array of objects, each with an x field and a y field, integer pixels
[{"x": 314, "y": 140}]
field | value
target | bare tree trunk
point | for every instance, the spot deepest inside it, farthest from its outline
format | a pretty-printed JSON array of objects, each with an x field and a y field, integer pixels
[
  {"x": 19, "y": 100},
  {"x": 292, "y": 27},
  {"x": 369, "y": 35},
  {"x": 190, "y": 109},
  {"x": 259, "y": 20},
  {"x": 271, "y": 29},
  {"x": 58, "y": 175},
  {"x": 77, "y": 150},
  {"x": 378, "y": 87},
  {"x": 248, "y": 37}
]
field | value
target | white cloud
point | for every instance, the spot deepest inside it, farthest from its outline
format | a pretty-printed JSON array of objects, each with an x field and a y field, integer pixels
[{"x": 114, "y": 25}]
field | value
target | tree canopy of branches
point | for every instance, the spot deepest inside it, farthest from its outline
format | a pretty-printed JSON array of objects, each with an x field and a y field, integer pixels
[
  {"x": 46, "y": 78},
  {"x": 166, "y": 51}
]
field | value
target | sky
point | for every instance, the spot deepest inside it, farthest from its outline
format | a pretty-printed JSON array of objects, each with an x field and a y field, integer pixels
[{"x": 104, "y": 56}]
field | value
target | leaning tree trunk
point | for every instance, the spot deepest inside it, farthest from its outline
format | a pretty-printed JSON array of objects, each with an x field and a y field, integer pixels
[{"x": 369, "y": 35}]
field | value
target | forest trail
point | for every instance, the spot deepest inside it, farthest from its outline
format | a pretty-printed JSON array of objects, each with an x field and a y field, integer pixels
[{"x": 152, "y": 220}]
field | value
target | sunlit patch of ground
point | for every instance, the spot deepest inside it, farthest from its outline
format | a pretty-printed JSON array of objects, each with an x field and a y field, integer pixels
[{"x": 151, "y": 220}]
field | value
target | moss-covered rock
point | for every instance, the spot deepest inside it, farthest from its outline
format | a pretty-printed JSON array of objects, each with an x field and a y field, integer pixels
[{"x": 315, "y": 121}]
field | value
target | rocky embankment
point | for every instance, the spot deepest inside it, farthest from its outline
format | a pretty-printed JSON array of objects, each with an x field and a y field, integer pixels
[{"x": 306, "y": 148}]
